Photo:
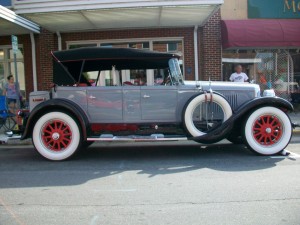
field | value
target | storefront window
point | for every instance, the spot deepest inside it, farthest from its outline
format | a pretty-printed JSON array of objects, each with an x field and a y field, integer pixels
[
  {"x": 268, "y": 68},
  {"x": 72, "y": 46},
  {"x": 1, "y": 54},
  {"x": 296, "y": 59},
  {"x": 7, "y": 67}
]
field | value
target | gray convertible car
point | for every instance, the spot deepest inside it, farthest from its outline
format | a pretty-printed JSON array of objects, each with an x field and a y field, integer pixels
[{"x": 94, "y": 98}]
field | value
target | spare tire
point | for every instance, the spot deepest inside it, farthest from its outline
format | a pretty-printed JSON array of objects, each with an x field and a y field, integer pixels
[{"x": 193, "y": 113}]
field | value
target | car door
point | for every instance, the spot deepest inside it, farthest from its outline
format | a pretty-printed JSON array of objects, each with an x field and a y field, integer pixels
[
  {"x": 105, "y": 104},
  {"x": 159, "y": 103},
  {"x": 132, "y": 104}
]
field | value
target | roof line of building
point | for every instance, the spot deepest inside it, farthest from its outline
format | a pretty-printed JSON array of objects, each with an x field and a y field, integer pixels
[
  {"x": 11, "y": 16},
  {"x": 39, "y": 6}
]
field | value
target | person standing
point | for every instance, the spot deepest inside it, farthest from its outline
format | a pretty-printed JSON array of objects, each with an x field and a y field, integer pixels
[
  {"x": 12, "y": 92},
  {"x": 238, "y": 76}
]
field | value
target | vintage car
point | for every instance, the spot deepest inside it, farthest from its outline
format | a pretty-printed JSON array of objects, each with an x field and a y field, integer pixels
[{"x": 114, "y": 107}]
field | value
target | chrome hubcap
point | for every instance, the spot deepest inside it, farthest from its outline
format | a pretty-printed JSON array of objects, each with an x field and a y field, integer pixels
[
  {"x": 55, "y": 136},
  {"x": 268, "y": 130}
]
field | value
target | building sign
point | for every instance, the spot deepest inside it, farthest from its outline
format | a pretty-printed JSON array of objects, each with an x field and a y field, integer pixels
[
  {"x": 279, "y": 9},
  {"x": 14, "y": 43}
]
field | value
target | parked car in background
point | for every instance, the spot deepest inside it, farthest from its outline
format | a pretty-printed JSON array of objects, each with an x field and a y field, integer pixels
[{"x": 77, "y": 112}]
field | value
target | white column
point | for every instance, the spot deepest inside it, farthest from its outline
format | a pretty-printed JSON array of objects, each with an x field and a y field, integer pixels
[
  {"x": 59, "y": 40},
  {"x": 196, "y": 52},
  {"x": 33, "y": 61}
]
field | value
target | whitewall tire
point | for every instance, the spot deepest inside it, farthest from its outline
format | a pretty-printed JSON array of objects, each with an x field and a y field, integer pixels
[
  {"x": 268, "y": 131},
  {"x": 194, "y": 103},
  {"x": 56, "y": 136}
]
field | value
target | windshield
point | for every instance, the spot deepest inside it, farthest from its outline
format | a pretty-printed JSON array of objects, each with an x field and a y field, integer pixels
[{"x": 175, "y": 71}]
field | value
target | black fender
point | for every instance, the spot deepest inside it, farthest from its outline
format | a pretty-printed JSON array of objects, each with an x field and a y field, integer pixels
[
  {"x": 219, "y": 133},
  {"x": 216, "y": 134},
  {"x": 57, "y": 104}
]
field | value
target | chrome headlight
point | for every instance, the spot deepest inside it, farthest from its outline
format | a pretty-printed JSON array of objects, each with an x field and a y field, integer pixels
[{"x": 269, "y": 93}]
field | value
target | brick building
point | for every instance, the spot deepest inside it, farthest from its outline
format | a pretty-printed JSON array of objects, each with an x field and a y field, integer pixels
[{"x": 189, "y": 28}]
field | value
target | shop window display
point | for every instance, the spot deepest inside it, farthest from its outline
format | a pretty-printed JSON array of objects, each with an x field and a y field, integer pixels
[{"x": 7, "y": 67}]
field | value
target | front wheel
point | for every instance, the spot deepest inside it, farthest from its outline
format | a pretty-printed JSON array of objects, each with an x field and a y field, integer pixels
[
  {"x": 56, "y": 136},
  {"x": 268, "y": 131}
]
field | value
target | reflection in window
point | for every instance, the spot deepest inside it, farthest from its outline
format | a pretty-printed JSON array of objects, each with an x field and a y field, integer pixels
[
  {"x": 72, "y": 46},
  {"x": 172, "y": 46},
  {"x": 7, "y": 67}
]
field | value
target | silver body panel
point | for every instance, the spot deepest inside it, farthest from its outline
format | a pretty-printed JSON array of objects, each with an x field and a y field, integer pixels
[{"x": 148, "y": 104}]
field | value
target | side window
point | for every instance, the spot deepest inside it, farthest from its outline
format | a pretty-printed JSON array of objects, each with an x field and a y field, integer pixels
[{"x": 160, "y": 76}]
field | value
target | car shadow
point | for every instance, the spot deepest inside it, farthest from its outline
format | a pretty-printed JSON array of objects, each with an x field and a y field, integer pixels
[{"x": 25, "y": 168}]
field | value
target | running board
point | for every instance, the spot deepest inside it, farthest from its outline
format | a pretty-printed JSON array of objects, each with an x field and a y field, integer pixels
[{"x": 136, "y": 138}]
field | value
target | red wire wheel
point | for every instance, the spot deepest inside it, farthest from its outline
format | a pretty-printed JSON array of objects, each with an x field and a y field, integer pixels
[
  {"x": 267, "y": 130},
  {"x": 56, "y": 135}
]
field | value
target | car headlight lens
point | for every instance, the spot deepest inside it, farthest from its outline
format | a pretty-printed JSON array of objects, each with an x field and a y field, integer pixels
[{"x": 269, "y": 93}]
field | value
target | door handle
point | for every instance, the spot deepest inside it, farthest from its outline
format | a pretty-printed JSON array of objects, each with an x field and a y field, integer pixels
[
  {"x": 92, "y": 97},
  {"x": 146, "y": 96}
]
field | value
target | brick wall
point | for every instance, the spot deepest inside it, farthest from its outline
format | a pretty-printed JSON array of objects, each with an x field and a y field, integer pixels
[
  {"x": 45, "y": 43},
  {"x": 210, "y": 52}
]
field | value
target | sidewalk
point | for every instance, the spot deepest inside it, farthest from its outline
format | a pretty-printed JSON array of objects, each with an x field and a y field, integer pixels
[{"x": 15, "y": 140}]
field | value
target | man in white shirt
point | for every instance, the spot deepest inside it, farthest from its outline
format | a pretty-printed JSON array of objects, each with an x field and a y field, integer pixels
[{"x": 238, "y": 76}]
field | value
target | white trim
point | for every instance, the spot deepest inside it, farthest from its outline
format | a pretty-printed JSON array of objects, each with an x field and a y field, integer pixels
[
  {"x": 131, "y": 40},
  {"x": 59, "y": 40},
  {"x": 196, "y": 53},
  {"x": 18, "y": 20},
  {"x": 231, "y": 60},
  {"x": 38, "y": 6}
]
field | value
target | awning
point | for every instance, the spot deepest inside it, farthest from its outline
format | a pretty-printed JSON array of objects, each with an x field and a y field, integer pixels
[
  {"x": 11, "y": 23},
  {"x": 66, "y": 16},
  {"x": 245, "y": 34}
]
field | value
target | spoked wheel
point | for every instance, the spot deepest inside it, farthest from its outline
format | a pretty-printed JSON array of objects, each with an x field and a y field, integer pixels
[
  {"x": 205, "y": 112},
  {"x": 56, "y": 136},
  {"x": 268, "y": 131}
]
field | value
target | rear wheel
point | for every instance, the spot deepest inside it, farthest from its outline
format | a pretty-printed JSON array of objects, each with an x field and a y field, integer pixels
[
  {"x": 268, "y": 131},
  {"x": 56, "y": 136}
]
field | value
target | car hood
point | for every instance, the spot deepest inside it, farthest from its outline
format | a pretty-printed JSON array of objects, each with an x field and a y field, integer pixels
[{"x": 223, "y": 85}]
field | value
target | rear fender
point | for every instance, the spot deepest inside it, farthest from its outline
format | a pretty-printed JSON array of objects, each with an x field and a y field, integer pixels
[{"x": 57, "y": 104}]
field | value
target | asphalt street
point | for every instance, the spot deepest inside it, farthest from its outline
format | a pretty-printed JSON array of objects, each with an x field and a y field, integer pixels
[{"x": 167, "y": 183}]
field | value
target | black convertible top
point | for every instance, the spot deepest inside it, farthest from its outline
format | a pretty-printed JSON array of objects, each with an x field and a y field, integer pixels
[{"x": 75, "y": 61}]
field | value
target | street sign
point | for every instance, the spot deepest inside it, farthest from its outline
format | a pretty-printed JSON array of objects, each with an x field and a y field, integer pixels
[{"x": 14, "y": 43}]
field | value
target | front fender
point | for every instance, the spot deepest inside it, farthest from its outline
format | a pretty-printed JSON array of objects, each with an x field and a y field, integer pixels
[
  {"x": 264, "y": 101},
  {"x": 57, "y": 104},
  {"x": 222, "y": 131}
]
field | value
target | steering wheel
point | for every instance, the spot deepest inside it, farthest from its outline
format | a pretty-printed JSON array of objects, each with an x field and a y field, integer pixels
[{"x": 167, "y": 81}]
